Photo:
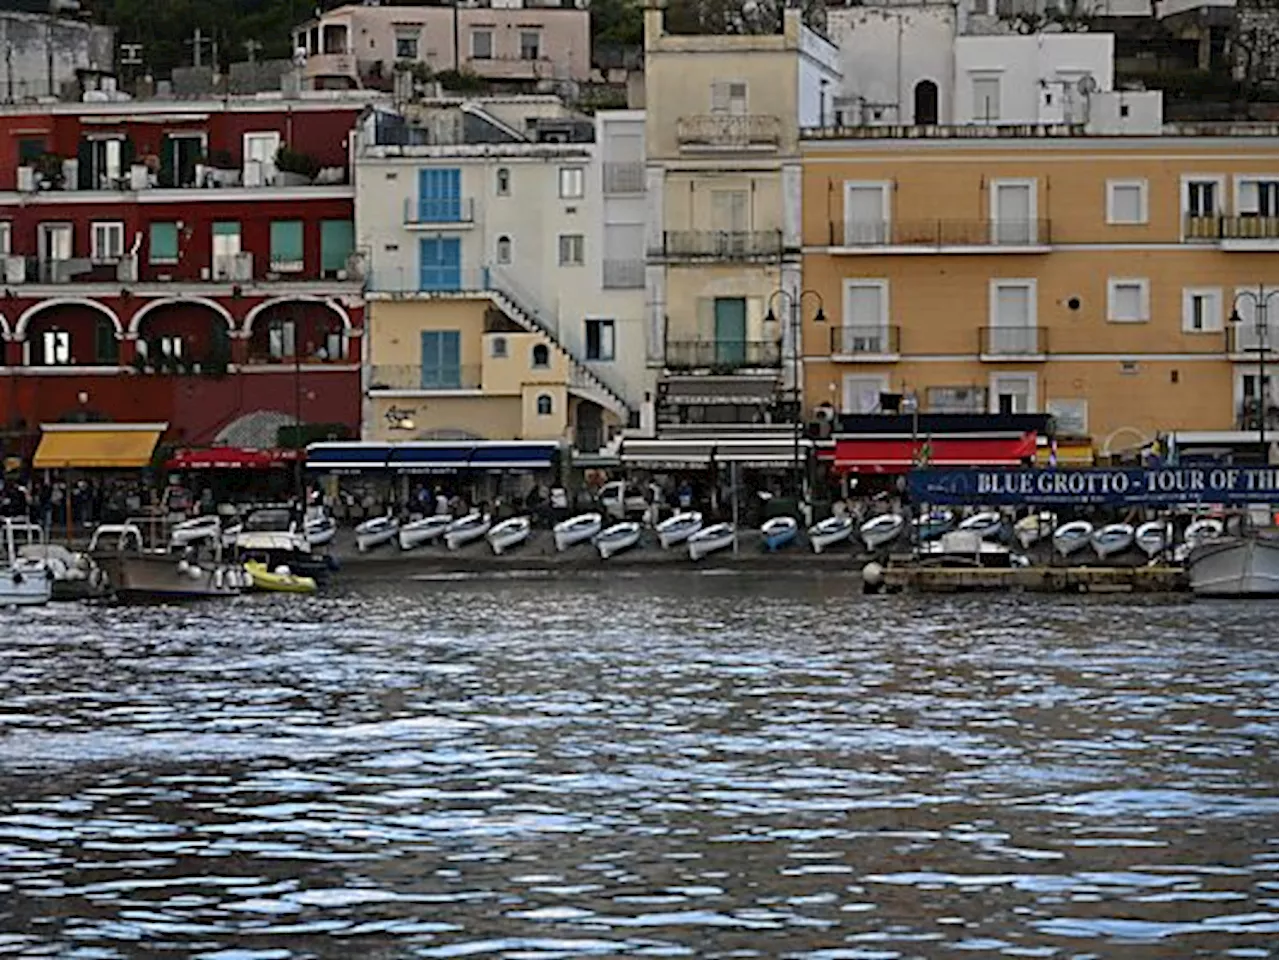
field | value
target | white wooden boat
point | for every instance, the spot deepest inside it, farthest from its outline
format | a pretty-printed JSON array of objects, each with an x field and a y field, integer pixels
[
  {"x": 1072, "y": 537},
  {"x": 24, "y": 581},
  {"x": 621, "y": 536},
  {"x": 988, "y": 524},
  {"x": 882, "y": 530},
  {"x": 466, "y": 529},
  {"x": 376, "y": 532},
  {"x": 934, "y": 524},
  {"x": 832, "y": 530},
  {"x": 965, "y": 548},
  {"x": 1112, "y": 539},
  {"x": 679, "y": 528},
  {"x": 718, "y": 536},
  {"x": 417, "y": 532},
  {"x": 1245, "y": 566},
  {"x": 577, "y": 529},
  {"x": 1153, "y": 537},
  {"x": 778, "y": 532},
  {"x": 1198, "y": 533},
  {"x": 194, "y": 530},
  {"x": 320, "y": 528},
  {"x": 1034, "y": 527},
  {"x": 509, "y": 533}
]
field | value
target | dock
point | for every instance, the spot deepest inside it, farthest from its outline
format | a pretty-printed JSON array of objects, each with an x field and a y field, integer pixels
[{"x": 1044, "y": 579}]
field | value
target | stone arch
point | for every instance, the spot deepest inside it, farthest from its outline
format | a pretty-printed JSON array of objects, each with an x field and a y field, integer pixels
[
  {"x": 20, "y": 331},
  {"x": 5, "y": 332},
  {"x": 336, "y": 308},
  {"x": 135, "y": 324}
]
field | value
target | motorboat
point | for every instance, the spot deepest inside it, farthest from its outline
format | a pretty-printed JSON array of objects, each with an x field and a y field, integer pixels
[
  {"x": 882, "y": 530},
  {"x": 271, "y": 535},
  {"x": 466, "y": 529},
  {"x": 1198, "y": 533},
  {"x": 319, "y": 526},
  {"x": 23, "y": 581},
  {"x": 1035, "y": 527},
  {"x": 679, "y": 528},
  {"x": 197, "y": 528},
  {"x": 613, "y": 540},
  {"x": 966, "y": 548},
  {"x": 1072, "y": 537},
  {"x": 509, "y": 533},
  {"x": 988, "y": 524},
  {"x": 778, "y": 532},
  {"x": 718, "y": 536},
  {"x": 417, "y": 532},
  {"x": 832, "y": 530},
  {"x": 934, "y": 524},
  {"x": 74, "y": 575},
  {"x": 1153, "y": 537},
  {"x": 135, "y": 573},
  {"x": 577, "y": 529},
  {"x": 376, "y": 532},
  {"x": 1243, "y": 566},
  {"x": 279, "y": 580},
  {"x": 1112, "y": 539}
]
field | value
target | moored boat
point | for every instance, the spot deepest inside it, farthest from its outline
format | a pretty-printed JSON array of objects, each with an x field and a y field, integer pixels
[
  {"x": 934, "y": 524},
  {"x": 621, "y": 536},
  {"x": 1153, "y": 537},
  {"x": 466, "y": 529},
  {"x": 576, "y": 530},
  {"x": 1035, "y": 527},
  {"x": 197, "y": 528},
  {"x": 135, "y": 573},
  {"x": 509, "y": 533},
  {"x": 1236, "y": 566},
  {"x": 778, "y": 532},
  {"x": 74, "y": 575},
  {"x": 417, "y": 532},
  {"x": 376, "y": 532},
  {"x": 279, "y": 580},
  {"x": 882, "y": 530},
  {"x": 23, "y": 582},
  {"x": 679, "y": 528},
  {"x": 1198, "y": 533},
  {"x": 832, "y": 530},
  {"x": 718, "y": 536},
  {"x": 966, "y": 548},
  {"x": 1112, "y": 539},
  {"x": 1072, "y": 537},
  {"x": 319, "y": 526},
  {"x": 988, "y": 524}
]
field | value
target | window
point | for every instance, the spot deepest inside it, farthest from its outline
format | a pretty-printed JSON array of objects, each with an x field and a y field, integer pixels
[
  {"x": 281, "y": 339},
  {"x": 441, "y": 353},
  {"x": 440, "y": 195},
  {"x": 504, "y": 182},
  {"x": 866, "y": 317},
  {"x": 107, "y": 241},
  {"x": 481, "y": 44},
  {"x": 286, "y": 246},
  {"x": 337, "y": 242},
  {"x": 170, "y": 346},
  {"x": 866, "y": 213},
  {"x": 163, "y": 244},
  {"x": 530, "y": 45},
  {"x": 571, "y": 250},
  {"x": 1070, "y": 416},
  {"x": 406, "y": 46},
  {"x": 1257, "y": 197},
  {"x": 260, "y": 150},
  {"x": 226, "y": 239},
  {"x": 1012, "y": 319},
  {"x": 571, "y": 183},
  {"x": 1013, "y": 212},
  {"x": 1126, "y": 201},
  {"x": 600, "y": 342},
  {"x": 1201, "y": 197},
  {"x": 729, "y": 96},
  {"x": 1013, "y": 393},
  {"x": 30, "y": 150},
  {"x": 498, "y": 348},
  {"x": 862, "y": 393},
  {"x": 540, "y": 356},
  {"x": 544, "y": 405},
  {"x": 504, "y": 250},
  {"x": 986, "y": 99},
  {"x": 55, "y": 347},
  {"x": 1202, "y": 310},
  {"x": 1127, "y": 300}
]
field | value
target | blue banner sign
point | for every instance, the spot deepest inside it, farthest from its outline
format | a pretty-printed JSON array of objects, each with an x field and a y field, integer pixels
[{"x": 1165, "y": 485}]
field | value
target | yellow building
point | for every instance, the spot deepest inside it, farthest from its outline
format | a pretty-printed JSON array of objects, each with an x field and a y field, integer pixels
[{"x": 1090, "y": 277}]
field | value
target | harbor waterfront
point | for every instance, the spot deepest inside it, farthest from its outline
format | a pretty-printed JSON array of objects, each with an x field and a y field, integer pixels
[{"x": 647, "y": 764}]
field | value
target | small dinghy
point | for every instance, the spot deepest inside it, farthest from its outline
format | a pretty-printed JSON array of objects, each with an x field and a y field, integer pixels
[
  {"x": 718, "y": 536},
  {"x": 376, "y": 532},
  {"x": 934, "y": 524},
  {"x": 577, "y": 529},
  {"x": 465, "y": 529},
  {"x": 1072, "y": 537},
  {"x": 1035, "y": 527},
  {"x": 619, "y": 537},
  {"x": 509, "y": 533},
  {"x": 1199, "y": 532},
  {"x": 417, "y": 532},
  {"x": 679, "y": 528},
  {"x": 778, "y": 532},
  {"x": 988, "y": 524},
  {"x": 882, "y": 530},
  {"x": 831, "y": 530},
  {"x": 1153, "y": 537},
  {"x": 1112, "y": 539},
  {"x": 191, "y": 531},
  {"x": 319, "y": 528},
  {"x": 279, "y": 580}
]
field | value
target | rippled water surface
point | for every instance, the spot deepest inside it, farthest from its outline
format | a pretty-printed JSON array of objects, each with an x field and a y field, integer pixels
[{"x": 658, "y": 766}]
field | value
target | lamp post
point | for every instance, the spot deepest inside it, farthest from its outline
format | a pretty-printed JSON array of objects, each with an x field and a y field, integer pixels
[
  {"x": 1261, "y": 299},
  {"x": 793, "y": 304}
]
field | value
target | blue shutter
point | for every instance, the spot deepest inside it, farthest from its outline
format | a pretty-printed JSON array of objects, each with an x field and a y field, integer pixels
[
  {"x": 439, "y": 195},
  {"x": 441, "y": 359},
  {"x": 439, "y": 263}
]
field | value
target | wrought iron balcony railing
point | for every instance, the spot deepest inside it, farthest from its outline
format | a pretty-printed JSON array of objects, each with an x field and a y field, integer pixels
[
  {"x": 720, "y": 244},
  {"x": 856, "y": 341},
  {"x": 1017, "y": 342},
  {"x": 939, "y": 233},
  {"x": 722, "y": 355}
]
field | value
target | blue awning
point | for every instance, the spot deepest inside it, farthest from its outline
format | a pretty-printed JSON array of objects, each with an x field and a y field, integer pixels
[
  {"x": 422, "y": 456},
  {"x": 520, "y": 455},
  {"x": 340, "y": 456},
  {"x": 411, "y": 457}
]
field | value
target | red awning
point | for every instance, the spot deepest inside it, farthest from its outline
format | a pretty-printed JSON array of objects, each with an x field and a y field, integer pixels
[
  {"x": 230, "y": 458},
  {"x": 898, "y": 456}
]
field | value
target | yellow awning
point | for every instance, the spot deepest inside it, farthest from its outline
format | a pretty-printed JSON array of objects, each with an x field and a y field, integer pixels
[
  {"x": 1071, "y": 453},
  {"x": 102, "y": 446}
]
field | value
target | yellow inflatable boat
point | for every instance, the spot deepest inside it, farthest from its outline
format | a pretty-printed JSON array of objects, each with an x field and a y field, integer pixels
[{"x": 279, "y": 580}]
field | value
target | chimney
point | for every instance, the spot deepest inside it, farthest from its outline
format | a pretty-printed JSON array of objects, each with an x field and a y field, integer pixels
[
  {"x": 792, "y": 21},
  {"x": 654, "y": 22}
]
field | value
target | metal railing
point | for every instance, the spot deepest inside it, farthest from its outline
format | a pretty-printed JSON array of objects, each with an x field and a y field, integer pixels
[
  {"x": 721, "y": 244},
  {"x": 722, "y": 355},
  {"x": 938, "y": 233},
  {"x": 623, "y": 178},
  {"x": 1013, "y": 341},
  {"x": 856, "y": 340},
  {"x": 420, "y": 377},
  {"x": 432, "y": 210},
  {"x": 1247, "y": 227},
  {"x": 623, "y": 274},
  {"x": 727, "y": 131}
]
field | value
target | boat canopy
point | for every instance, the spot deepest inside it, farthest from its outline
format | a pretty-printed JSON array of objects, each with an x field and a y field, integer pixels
[{"x": 97, "y": 446}]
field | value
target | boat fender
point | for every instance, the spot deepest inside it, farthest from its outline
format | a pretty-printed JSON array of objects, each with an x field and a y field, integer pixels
[
  {"x": 18, "y": 578},
  {"x": 219, "y": 579},
  {"x": 872, "y": 578}
]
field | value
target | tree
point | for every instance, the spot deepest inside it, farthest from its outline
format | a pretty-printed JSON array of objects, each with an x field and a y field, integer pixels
[
  {"x": 1251, "y": 47},
  {"x": 738, "y": 16}
]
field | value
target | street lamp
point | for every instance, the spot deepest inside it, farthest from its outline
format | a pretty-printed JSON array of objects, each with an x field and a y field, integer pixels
[
  {"x": 793, "y": 303},
  {"x": 1261, "y": 298}
]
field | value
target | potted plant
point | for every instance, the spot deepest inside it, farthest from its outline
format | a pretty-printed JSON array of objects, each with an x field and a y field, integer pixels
[
  {"x": 48, "y": 167},
  {"x": 296, "y": 168}
]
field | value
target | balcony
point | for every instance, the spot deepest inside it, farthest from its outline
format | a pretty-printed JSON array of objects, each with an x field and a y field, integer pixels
[
  {"x": 865, "y": 344},
  {"x": 1013, "y": 343},
  {"x": 623, "y": 274},
  {"x": 720, "y": 245},
  {"x": 1245, "y": 342},
  {"x": 1247, "y": 414},
  {"x": 1249, "y": 233},
  {"x": 437, "y": 213},
  {"x": 722, "y": 356},
  {"x": 18, "y": 271},
  {"x": 727, "y": 132},
  {"x": 621, "y": 179},
  {"x": 410, "y": 378},
  {"x": 938, "y": 236}
]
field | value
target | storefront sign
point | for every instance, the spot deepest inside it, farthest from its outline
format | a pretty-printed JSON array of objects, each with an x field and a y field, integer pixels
[{"x": 1172, "y": 485}]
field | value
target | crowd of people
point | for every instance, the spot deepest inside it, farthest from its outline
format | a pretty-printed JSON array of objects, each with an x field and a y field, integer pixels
[{"x": 82, "y": 502}]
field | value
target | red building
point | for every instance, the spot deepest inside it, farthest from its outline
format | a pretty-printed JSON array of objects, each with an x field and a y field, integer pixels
[{"x": 181, "y": 261}]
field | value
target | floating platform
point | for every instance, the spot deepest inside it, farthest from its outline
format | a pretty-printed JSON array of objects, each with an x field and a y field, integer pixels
[{"x": 925, "y": 579}]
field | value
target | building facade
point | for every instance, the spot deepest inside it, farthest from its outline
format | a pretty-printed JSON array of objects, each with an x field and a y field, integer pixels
[
  {"x": 45, "y": 54},
  {"x": 506, "y": 270},
  {"x": 191, "y": 262},
  {"x": 1046, "y": 270}
]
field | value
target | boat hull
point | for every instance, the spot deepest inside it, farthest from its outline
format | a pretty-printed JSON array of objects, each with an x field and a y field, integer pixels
[
  {"x": 617, "y": 539},
  {"x": 876, "y": 533},
  {"x": 420, "y": 532},
  {"x": 467, "y": 530},
  {"x": 24, "y": 588},
  {"x": 376, "y": 537},
  {"x": 716, "y": 540},
  {"x": 778, "y": 533},
  {"x": 1110, "y": 541},
  {"x": 1236, "y": 567},
  {"x": 503, "y": 537},
  {"x": 158, "y": 578},
  {"x": 575, "y": 531},
  {"x": 678, "y": 529}
]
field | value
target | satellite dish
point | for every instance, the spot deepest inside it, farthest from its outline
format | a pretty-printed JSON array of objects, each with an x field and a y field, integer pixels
[{"x": 1087, "y": 84}]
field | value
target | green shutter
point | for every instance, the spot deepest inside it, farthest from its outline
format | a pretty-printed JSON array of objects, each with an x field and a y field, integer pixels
[
  {"x": 286, "y": 242},
  {"x": 164, "y": 243},
  {"x": 337, "y": 240},
  {"x": 226, "y": 228}
]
